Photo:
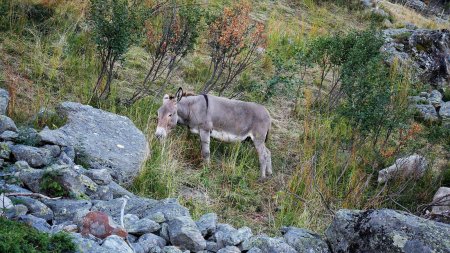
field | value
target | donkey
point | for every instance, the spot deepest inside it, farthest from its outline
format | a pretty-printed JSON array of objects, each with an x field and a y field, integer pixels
[{"x": 221, "y": 118}]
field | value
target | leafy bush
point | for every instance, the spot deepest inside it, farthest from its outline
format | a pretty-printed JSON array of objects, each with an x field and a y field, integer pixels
[
  {"x": 112, "y": 26},
  {"x": 50, "y": 184},
  {"x": 18, "y": 237}
]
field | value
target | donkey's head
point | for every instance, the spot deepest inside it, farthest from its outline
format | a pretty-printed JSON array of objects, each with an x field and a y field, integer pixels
[{"x": 167, "y": 114}]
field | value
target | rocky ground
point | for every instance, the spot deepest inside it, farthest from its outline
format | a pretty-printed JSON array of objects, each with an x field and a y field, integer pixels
[{"x": 69, "y": 179}]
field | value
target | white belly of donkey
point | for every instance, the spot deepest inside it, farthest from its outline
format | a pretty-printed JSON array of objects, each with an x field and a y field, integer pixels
[{"x": 223, "y": 136}]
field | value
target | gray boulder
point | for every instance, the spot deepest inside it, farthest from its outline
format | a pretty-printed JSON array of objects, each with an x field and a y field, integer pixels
[
  {"x": 267, "y": 245},
  {"x": 35, "y": 157},
  {"x": 16, "y": 211},
  {"x": 102, "y": 192},
  {"x": 9, "y": 136},
  {"x": 435, "y": 98},
  {"x": 135, "y": 205},
  {"x": 66, "y": 209},
  {"x": 212, "y": 246},
  {"x": 303, "y": 240},
  {"x": 411, "y": 166},
  {"x": 101, "y": 140},
  {"x": 441, "y": 201},
  {"x": 184, "y": 234},
  {"x": 38, "y": 223},
  {"x": 142, "y": 226},
  {"x": 115, "y": 243},
  {"x": 5, "y": 150},
  {"x": 86, "y": 245},
  {"x": 99, "y": 176},
  {"x": 4, "y": 100},
  {"x": 7, "y": 124},
  {"x": 229, "y": 249},
  {"x": 386, "y": 230},
  {"x": 427, "y": 112},
  {"x": 207, "y": 224},
  {"x": 36, "y": 207},
  {"x": 444, "y": 112},
  {"x": 31, "y": 178},
  {"x": 55, "y": 150},
  {"x": 226, "y": 235},
  {"x": 169, "y": 207},
  {"x": 118, "y": 191},
  {"x": 171, "y": 249}
]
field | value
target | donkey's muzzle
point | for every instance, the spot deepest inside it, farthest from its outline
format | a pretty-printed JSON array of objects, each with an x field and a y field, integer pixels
[{"x": 160, "y": 133}]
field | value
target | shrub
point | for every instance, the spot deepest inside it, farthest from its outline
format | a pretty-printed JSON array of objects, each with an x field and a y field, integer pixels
[
  {"x": 50, "y": 184},
  {"x": 235, "y": 43},
  {"x": 18, "y": 237},
  {"x": 170, "y": 36},
  {"x": 112, "y": 28}
]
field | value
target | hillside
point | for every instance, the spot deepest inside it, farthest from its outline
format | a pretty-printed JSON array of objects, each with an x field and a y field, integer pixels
[{"x": 324, "y": 157}]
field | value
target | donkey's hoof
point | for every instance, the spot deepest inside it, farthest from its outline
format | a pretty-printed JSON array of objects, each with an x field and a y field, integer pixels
[{"x": 262, "y": 179}]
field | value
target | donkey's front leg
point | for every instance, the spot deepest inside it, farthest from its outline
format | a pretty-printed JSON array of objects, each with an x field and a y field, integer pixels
[{"x": 205, "y": 138}]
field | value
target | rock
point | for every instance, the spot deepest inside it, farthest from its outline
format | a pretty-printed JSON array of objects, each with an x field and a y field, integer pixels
[
  {"x": 86, "y": 246},
  {"x": 65, "y": 209},
  {"x": 9, "y": 136},
  {"x": 101, "y": 226},
  {"x": 229, "y": 249},
  {"x": 118, "y": 191},
  {"x": 169, "y": 207},
  {"x": 254, "y": 250},
  {"x": 426, "y": 51},
  {"x": 416, "y": 5},
  {"x": 103, "y": 192},
  {"x": 367, "y": 3},
  {"x": 135, "y": 205},
  {"x": 184, "y": 234},
  {"x": 144, "y": 248},
  {"x": 5, "y": 150},
  {"x": 435, "y": 98},
  {"x": 142, "y": 226},
  {"x": 411, "y": 166},
  {"x": 99, "y": 176},
  {"x": 171, "y": 249},
  {"x": 5, "y": 202},
  {"x": 226, "y": 235},
  {"x": 386, "y": 230},
  {"x": 35, "y": 157},
  {"x": 6, "y": 123},
  {"x": 31, "y": 178},
  {"x": 380, "y": 12},
  {"x": 207, "y": 224},
  {"x": 36, "y": 207},
  {"x": 444, "y": 112},
  {"x": 303, "y": 240},
  {"x": 16, "y": 211},
  {"x": 55, "y": 150},
  {"x": 427, "y": 112},
  {"x": 12, "y": 188},
  {"x": 212, "y": 246},
  {"x": 101, "y": 140},
  {"x": 28, "y": 136},
  {"x": 267, "y": 245},
  {"x": 116, "y": 244},
  {"x": 157, "y": 216},
  {"x": 37, "y": 223},
  {"x": 164, "y": 233},
  {"x": 152, "y": 240},
  {"x": 4, "y": 101},
  {"x": 441, "y": 201}
]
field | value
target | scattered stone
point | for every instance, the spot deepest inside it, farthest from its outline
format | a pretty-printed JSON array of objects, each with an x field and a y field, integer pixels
[
  {"x": 164, "y": 233},
  {"x": 229, "y": 249},
  {"x": 86, "y": 245},
  {"x": 55, "y": 150},
  {"x": 65, "y": 209},
  {"x": 254, "y": 250},
  {"x": 435, "y": 98},
  {"x": 4, "y": 101},
  {"x": 212, "y": 246},
  {"x": 35, "y": 157},
  {"x": 157, "y": 216},
  {"x": 136, "y": 205},
  {"x": 38, "y": 223},
  {"x": 142, "y": 226},
  {"x": 98, "y": 137},
  {"x": 441, "y": 201},
  {"x": 267, "y": 245},
  {"x": 9, "y": 136},
  {"x": 411, "y": 166},
  {"x": 31, "y": 178},
  {"x": 16, "y": 211},
  {"x": 118, "y": 191},
  {"x": 427, "y": 112},
  {"x": 28, "y": 136},
  {"x": 169, "y": 207},
  {"x": 207, "y": 224},
  {"x": 103, "y": 192},
  {"x": 13, "y": 188},
  {"x": 6, "y": 123},
  {"x": 151, "y": 240},
  {"x": 171, "y": 249},
  {"x": 5, "y": 202},
  {"x": 116, "y": 244},
  {"x": 444, "y": 112},
  {"x": 101, "y": 226},
  {"x": 386, "y": 230},
  {"x": 303, "y": 240},
  {"x": 184, "y": 234},
  {"x": 36, "y": 207},
  {"x": 99, "y": 176}
]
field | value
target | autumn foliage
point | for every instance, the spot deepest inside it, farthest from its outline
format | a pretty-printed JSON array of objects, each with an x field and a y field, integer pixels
[{"x": 235, "y": 42}]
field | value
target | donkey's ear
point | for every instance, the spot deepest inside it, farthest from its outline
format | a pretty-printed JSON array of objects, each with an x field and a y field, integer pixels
[{"x": 179, "y": 94}]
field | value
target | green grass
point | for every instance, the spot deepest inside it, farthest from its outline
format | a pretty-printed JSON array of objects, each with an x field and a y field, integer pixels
[{"x": 17, "y": 237}]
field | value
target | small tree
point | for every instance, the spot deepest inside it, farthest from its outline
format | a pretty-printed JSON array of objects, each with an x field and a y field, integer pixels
[
  {"x": 170, "y": 35},
  {"x": 112, "y": 28},
  {"x": 234, "y": 41}
]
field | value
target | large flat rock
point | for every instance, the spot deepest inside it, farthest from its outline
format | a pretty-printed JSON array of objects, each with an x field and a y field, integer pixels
[{"x": 101, "y": 140}]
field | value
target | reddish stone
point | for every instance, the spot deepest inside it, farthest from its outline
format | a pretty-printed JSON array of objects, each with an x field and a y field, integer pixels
[{"x": 101, "y": 225}]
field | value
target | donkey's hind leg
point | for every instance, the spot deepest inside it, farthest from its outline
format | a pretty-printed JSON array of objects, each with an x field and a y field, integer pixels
[
  {"x": 205, "y": 139},
  {"x": 268, "y": 162},
  {"x": 262, "y": 155}
]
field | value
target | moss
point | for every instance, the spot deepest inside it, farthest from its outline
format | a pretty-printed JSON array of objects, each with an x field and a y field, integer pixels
[
  {"x": 50, "y": 184},
  {"x": 18, "y": 237}
]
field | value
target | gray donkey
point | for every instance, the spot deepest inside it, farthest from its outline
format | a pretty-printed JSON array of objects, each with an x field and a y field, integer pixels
[{"x": 221, "y": 118}]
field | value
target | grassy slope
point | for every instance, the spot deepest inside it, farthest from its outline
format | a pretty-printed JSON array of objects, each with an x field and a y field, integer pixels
[{"x": 41, "y": 69}]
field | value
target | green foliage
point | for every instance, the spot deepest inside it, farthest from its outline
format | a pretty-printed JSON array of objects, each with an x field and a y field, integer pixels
[
  {"x": 50, "y": 184},
  {"x": 18, "y": 237}
]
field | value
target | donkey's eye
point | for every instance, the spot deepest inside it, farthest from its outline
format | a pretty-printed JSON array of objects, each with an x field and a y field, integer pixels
[{"x": 170, "y": 115}]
